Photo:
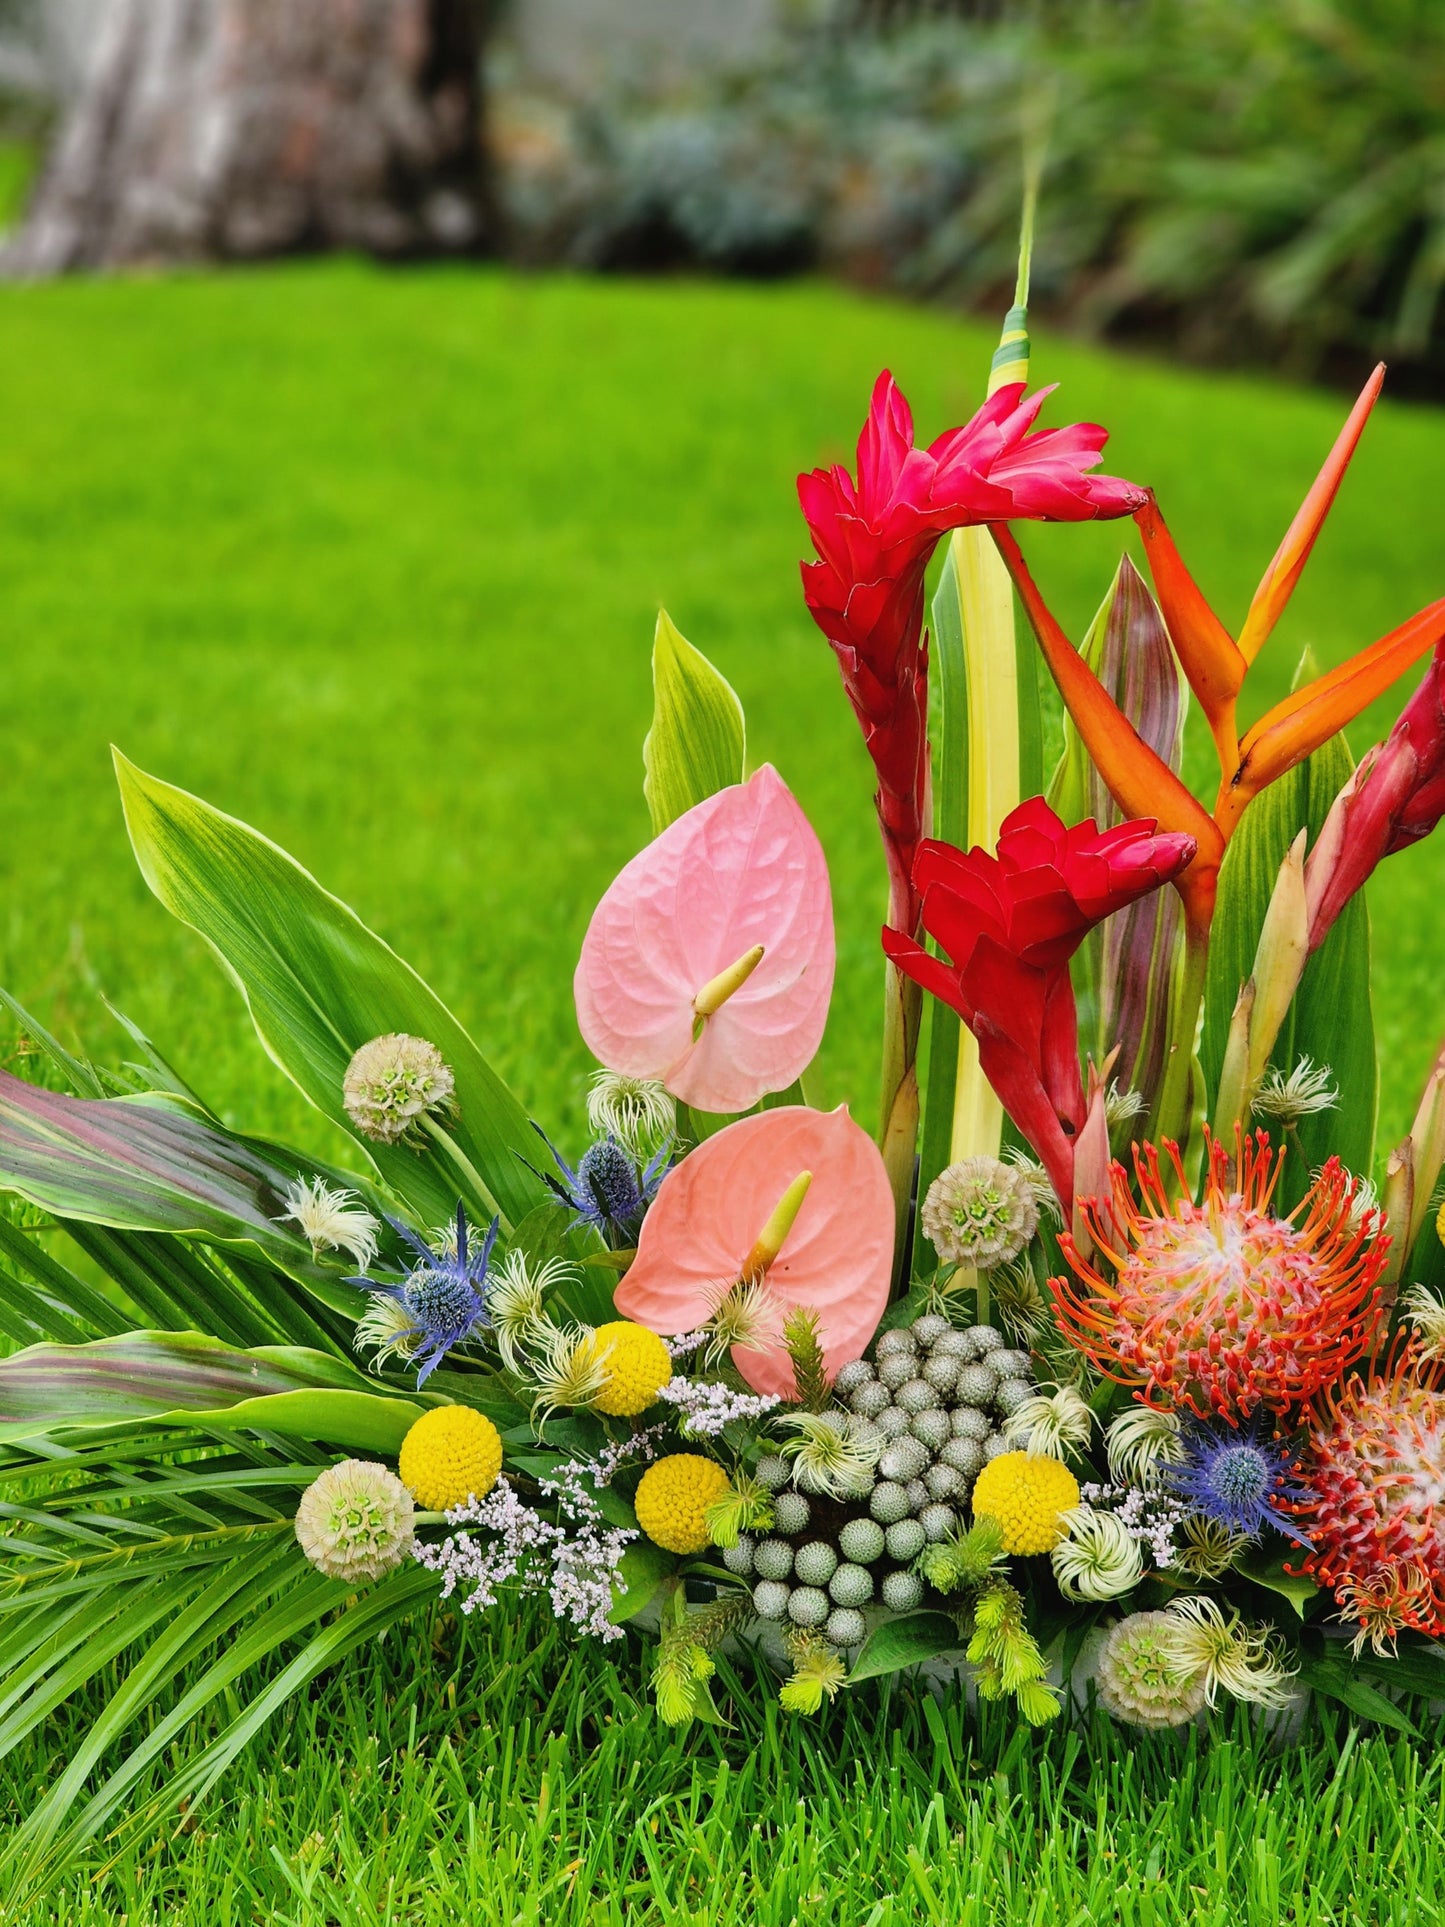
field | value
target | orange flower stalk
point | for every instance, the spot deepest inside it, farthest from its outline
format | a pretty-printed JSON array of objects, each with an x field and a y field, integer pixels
[
  {"x": 1215, "y": 665},
  {"x": 1221, "y": 1307}
]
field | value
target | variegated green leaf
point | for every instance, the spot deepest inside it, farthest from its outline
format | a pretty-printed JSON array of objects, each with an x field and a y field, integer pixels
[
  {"x": 319, "y": 984},
  {"x": 149, "y": 1378}
]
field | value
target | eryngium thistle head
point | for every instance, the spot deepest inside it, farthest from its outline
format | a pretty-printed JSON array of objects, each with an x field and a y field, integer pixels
[
  {"x": 1220, "y": 1306},
  {"x": 1138, "y": 1676},
  {"x": 981, "y": 1212},
  {"x": 1241, "y": 1478},
  {"x": 393, "y": 1082},
  {"x": 638, "y": 1112},
  {"x": 355, "y": 1522},
  {"x": 444, "y": 1295},
  {"x": 1375, "y": 1462}
]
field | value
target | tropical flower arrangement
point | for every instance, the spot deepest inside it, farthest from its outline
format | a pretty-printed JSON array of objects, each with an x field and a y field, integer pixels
[{"x": 1106, "y": 1345}]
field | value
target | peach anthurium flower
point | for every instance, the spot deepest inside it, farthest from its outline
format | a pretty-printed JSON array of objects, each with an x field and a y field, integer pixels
[
  {"x": 708, "y": 964},
  {"x": 715, "y": 1222}
]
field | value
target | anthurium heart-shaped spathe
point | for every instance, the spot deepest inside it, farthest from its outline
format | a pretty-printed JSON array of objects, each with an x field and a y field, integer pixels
[
  {"x": 709, "y": 962},
  {"x": 714, "y": 1211}
]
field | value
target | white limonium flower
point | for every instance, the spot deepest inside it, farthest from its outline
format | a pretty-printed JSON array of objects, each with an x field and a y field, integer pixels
[
  {"x": 332, "y": 1219},
  {"x": 1141, "y": 1442},
  {"x": 1051, "y": 1424},
  {"x": 1204, "y": 1643},
  {"x": 1309, "y": 1087},
  {"x": 638, "y": 1112},
  {"x": 1099, "y": 1558}
]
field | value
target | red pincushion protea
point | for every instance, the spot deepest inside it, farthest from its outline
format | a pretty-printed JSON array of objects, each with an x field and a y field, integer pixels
[
  {"x": 1220, "y": 1306},
  {"x": 1376, "y": 1463}
]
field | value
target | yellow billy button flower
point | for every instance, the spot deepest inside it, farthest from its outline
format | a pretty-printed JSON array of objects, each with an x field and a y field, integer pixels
[
  {"x": 1026, "y": 1496},
  {"x": 450, "y": 1455},
  {"x": 673, "y": 1497},
  {"x": 637, "y": 1365}
]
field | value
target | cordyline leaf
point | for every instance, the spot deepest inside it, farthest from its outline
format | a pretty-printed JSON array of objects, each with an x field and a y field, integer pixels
[
  {"x": 150, "y": 1164},
  {"x": 319, "y": 984},
  {"x": 1277, "y": 584},
  {"x": 1139, "y": 780},
  {"x": 1130, "y": 957},
  {"x": 186, "y": 1378},
  {"x": 1296, "y": 727},
  {"x": 697, "y": 741}
]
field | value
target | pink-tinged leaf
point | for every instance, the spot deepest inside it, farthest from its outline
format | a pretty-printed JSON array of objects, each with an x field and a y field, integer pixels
[
  {"x": 739, "y": 870},
  {"x": 837, "y": 1255}
]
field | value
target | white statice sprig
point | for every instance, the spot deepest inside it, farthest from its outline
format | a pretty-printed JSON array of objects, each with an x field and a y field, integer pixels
[
  {"x": 1098, "y": 1558},
  {"x": 331, "y": 1218},
  {"x": 705, "y": 1407},
  {"x": 1051, "y": 1424},
  {"x": 1147, "y": 1515},
  {"x": 576, "y": 1558}
]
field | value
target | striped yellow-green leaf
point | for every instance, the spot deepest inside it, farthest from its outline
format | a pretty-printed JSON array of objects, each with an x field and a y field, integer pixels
[
  {"x": 319, "y": 984},
  {"x": 148, "y": 1378},
  {"x": 697, "y": 742},
  {"x": 1330, "y": 1019}
]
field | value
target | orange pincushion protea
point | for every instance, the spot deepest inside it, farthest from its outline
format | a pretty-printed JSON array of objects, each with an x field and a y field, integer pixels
[
  {"x": 1376, "y": 1463},
  {"x": 1219, "y": 1306}
]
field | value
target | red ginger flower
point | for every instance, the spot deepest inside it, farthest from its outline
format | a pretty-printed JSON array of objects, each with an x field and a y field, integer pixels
[
  {"x": 1010, "y": 924},
  {"x": 1396, "y": 796},
  {"x": 874, "y": 536},
  {"x": 1376, "y": 1464},
  {"x": 1220, "y": 1306}
]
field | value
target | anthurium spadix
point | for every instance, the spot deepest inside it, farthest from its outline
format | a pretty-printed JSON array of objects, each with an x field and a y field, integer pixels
[
  {"x": 795, "y": 1202},
  {"x": 708, "y": 964}
]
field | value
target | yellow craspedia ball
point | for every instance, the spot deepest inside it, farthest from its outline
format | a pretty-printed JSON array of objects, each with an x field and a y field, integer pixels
[
  {"x": 673, "y": 1498},
  {"x": 1026, "y": 1496},
  {"x": 638, "y": 1365},
  {"x": 449, "y": 1455}
]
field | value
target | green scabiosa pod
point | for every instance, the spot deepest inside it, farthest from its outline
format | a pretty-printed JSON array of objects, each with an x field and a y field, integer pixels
[
  {"x": 319, "y": 986},
  {"x": 697, "y": 742}
]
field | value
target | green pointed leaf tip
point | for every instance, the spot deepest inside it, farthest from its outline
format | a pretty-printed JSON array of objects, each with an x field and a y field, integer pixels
[
  {"x": 1330, "y": 1019},
  {"x": 900, "y": 1643},
  {"x": 697, "y": 743},
  {"x": 319, "y": 985},
  {"x": 146, "y": 1378}
]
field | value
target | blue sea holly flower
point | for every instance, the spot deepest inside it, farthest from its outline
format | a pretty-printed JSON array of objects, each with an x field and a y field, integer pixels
[
  {"x": 443, "y": 1297},
  {"x": 606, "y": 1189},
  {"x": 1240, "y": 1478}
]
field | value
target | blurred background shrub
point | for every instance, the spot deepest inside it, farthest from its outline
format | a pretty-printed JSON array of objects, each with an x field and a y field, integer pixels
[{"x": 1235, "y": 180}]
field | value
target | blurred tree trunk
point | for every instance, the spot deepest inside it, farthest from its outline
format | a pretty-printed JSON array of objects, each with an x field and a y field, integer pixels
[{"x": 228, "y": 129}]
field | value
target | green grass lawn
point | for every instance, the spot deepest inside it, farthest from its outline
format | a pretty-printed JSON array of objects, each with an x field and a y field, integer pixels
[{"x": 372, "y": 561}]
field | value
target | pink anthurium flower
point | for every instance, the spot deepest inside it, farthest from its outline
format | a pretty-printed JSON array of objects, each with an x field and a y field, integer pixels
[
  {"x": 708, "y": 964},
  {"x": 794, "y": 1200}
]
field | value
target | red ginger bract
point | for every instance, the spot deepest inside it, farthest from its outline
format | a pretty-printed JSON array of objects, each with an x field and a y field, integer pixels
[
  {"x": 874, "y": 536},
  {"x": 1220, "y": 1306},
  {"x": 1376, "y": 1463}
]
